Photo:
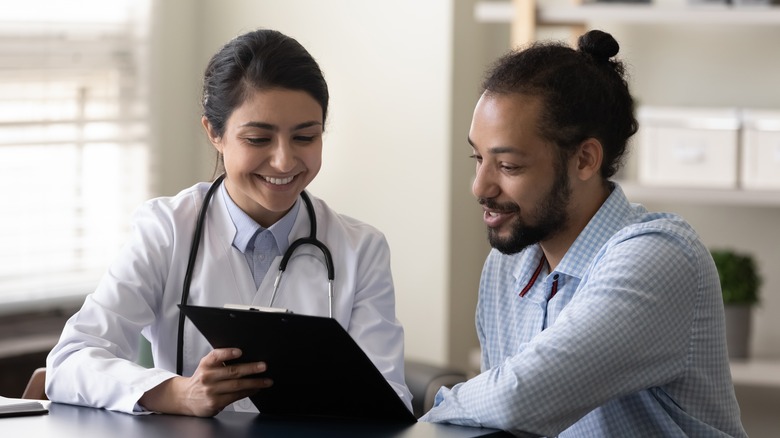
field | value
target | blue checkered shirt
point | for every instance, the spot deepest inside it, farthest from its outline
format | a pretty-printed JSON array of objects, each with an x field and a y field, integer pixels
[{"x": 632, "y": 344}]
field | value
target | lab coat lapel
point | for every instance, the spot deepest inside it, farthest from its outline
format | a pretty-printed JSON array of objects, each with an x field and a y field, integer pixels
[{"x": 232, "y": 282}]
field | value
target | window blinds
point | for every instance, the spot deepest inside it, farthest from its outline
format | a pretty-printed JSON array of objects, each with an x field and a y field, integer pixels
[{"x": 74, "y": 152}]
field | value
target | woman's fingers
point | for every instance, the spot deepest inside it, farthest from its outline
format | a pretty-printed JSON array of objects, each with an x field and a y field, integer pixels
[
  {"x": 219, "y": 356},
  {"x": 214, "y": 368},
  {"x": 236, "y": 371},
  {"x": 231, "y": 379}
]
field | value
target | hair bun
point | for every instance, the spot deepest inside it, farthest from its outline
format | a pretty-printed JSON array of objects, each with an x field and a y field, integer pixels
[{"x": 598, "y": 44}]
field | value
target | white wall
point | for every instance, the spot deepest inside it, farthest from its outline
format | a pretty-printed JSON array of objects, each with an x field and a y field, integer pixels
[{"x": 181, "y": 154}]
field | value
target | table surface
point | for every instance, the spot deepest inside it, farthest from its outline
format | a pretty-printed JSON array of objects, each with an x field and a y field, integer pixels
[{"x": 67, "y": 421}]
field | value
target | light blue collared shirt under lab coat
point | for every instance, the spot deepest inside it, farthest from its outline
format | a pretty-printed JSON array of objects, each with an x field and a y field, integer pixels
[
  {"x": 631, "y": 345},
  {"x": 260, "y": 245}
]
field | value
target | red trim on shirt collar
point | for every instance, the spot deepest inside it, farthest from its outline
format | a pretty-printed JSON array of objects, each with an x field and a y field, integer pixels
[{"x": 534, "y": 277}]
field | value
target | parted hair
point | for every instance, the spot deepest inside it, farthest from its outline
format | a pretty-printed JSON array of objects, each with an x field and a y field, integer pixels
[{"x": 261, "y": 59}]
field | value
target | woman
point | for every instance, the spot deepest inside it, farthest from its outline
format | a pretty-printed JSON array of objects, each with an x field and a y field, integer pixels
[{"x": 265, "y": 103}]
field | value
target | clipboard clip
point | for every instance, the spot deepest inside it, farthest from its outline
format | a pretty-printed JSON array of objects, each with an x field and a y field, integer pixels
[{"x": 256, "y": 308}]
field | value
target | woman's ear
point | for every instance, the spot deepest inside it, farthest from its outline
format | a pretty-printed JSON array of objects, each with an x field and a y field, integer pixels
[
  {"x": 589, "y": 158},
  {"x": 213, "y": 137}
]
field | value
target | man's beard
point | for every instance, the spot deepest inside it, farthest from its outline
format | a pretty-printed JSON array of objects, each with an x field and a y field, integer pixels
[{"x": 551, "y": 216}]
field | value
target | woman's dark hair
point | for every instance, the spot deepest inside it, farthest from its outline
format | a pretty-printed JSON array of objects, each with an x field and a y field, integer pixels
[
  {"x": 584, "y": 93},
  {"x": 261, "y": 59}
]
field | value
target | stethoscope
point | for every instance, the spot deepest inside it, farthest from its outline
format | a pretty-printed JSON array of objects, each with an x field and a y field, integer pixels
[{"x": 311, "y": 240}]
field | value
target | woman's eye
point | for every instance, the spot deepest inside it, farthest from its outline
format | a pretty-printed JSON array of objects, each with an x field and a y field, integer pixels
[
  {"x": 509, "y": 168},
  {"x": 476, "y": 157},
  {"x": 258, "y": 140},
  {"x": 304, "y": 139}
]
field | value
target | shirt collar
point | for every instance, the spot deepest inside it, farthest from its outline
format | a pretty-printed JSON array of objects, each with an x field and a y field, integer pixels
[
  {"x": 247, "y": 228},
  {"x": 609, "y": 218}
]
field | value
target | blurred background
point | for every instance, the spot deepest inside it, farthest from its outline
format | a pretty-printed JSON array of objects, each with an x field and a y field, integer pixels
[{"x": 99, "y": 110}]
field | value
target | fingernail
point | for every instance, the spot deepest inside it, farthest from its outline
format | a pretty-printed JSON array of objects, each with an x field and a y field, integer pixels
[
  {"x": 261, "y": 366},
  {"x": 236, "y": 352}
]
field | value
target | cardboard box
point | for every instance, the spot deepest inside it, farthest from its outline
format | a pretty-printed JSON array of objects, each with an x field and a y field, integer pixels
[
  {"x": 760, "y": 149},
  {"x": 688, "y": 147}
]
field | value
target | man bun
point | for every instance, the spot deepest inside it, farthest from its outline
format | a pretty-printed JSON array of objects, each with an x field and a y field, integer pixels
[{"x": 598, "y": 44}]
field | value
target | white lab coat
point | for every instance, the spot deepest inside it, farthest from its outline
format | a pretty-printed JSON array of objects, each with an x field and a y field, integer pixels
[{"x": 93, "y": 362}]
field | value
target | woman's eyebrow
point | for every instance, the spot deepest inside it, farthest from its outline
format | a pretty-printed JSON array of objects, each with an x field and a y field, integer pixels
[
  {"x": 305, "y": 125},
  {"x": 272, "y": 127},
  {"x": 261, "y": 125}
]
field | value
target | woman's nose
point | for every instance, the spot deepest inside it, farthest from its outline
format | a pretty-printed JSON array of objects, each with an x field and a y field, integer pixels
[{"x": 283, "y": 158}]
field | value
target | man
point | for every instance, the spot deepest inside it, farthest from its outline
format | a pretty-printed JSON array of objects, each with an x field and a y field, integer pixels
[{"x": 596, "y": 318}]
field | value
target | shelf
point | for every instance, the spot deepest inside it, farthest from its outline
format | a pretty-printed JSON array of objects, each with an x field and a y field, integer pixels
[
  {"x": 503, "y": 12},
  {"x": 756, "y": 372},
  {"x": 720, "y": 197}
]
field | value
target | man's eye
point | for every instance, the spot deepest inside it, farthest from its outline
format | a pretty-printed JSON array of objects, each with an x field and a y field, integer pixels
[{"x": 476, "y": 157}]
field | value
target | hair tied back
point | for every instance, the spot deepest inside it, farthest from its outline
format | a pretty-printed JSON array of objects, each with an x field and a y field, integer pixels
[{"x": 598, "y": 44}]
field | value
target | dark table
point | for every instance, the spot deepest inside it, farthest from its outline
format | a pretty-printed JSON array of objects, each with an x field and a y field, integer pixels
[{"x": 66, "y": 421}]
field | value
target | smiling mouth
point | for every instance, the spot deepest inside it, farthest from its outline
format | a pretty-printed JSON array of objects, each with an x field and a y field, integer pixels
[
  {"x": 494, "y": 212},
  {"x": 279, "y": 181},
  {"x": 495, "y": 219}
]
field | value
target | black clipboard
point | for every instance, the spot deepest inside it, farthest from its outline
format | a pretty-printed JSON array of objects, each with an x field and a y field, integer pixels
[{"x": 318, "y": 370}]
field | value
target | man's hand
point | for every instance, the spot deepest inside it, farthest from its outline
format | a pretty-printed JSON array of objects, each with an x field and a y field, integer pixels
[{"x": 213, "y": 386}]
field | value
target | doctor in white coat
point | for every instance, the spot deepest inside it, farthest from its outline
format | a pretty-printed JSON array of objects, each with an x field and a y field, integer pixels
[{"x": 265, "y": 104}]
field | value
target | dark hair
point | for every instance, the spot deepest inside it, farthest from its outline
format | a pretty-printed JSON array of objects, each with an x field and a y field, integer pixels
[
  {"x": 584, "y": 93},
  {"x": 260, "y": 59}
]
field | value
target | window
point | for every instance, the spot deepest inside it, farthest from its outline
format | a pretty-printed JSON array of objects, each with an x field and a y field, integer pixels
[{"x": 74, "y": 150}]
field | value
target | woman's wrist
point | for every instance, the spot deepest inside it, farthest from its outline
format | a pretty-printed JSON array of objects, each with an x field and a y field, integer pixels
[{"x": 162, "y": 398}]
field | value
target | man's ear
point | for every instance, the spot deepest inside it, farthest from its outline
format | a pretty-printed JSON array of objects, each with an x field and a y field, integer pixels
[
  {"x": 213, "y": 137},
  {"x": 590, "y": 155}
]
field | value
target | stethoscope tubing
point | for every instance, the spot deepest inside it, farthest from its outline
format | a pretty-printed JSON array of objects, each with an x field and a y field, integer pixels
[{"x": 185, "y": 291}]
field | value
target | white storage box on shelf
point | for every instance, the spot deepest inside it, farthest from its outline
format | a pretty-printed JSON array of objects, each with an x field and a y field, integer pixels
[
  {"x": 688, "y": 147},
  {"x": 760, "y": 149}
]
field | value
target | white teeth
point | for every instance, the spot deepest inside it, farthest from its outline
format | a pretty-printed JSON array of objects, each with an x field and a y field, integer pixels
[
  {"x": 278, "y": 181},
  {"x": 492, "y": 214}
]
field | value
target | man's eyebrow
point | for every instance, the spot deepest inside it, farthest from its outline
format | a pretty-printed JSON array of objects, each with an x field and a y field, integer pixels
[{"x": 495, "y": 150}]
